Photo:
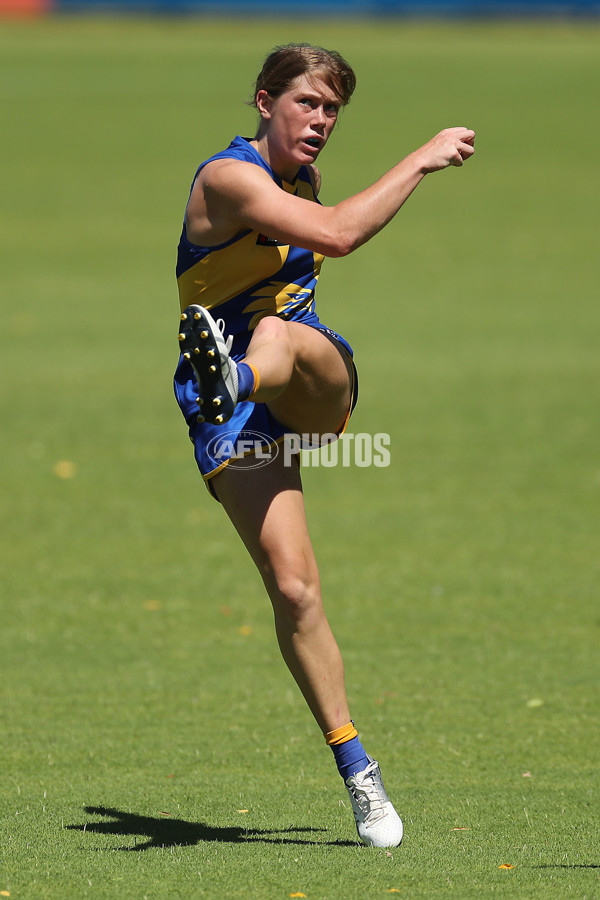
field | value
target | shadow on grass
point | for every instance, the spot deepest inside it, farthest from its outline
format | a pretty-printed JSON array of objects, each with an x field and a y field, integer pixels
[
  {"x": 170, "y": 832},
  {"x": 568, "y": 866}
]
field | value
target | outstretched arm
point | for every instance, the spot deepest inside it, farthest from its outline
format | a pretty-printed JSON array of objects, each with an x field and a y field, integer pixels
[
  {"x": 231, "y": 195},
  {"x": 364, "y": 215}
]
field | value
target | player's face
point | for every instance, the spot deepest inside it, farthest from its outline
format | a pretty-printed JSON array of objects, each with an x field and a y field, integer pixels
[{"x": 300, "y": 121}]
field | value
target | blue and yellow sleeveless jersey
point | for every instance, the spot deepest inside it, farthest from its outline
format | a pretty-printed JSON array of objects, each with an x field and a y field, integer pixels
[
  {"x": 240, "y": 282},
  {"x": 251, "y": 275}
]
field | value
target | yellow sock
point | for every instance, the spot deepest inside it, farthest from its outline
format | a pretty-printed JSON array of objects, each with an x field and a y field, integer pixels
[
  {"x": 256, "y": 381},
  {"x": 341, "y": 735}
]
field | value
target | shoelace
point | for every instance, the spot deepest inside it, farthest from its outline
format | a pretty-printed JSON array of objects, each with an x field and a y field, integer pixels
[
  {"x": 220, "y": 323},
  {"x": 368, "y": 793}
]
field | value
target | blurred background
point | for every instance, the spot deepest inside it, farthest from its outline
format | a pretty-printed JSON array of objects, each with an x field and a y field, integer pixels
[{"x": 311, "y": 7}]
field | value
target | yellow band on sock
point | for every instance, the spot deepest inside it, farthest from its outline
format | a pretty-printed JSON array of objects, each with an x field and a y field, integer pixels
[
  {"x": 341, "y": 735},
  {"x": 256, "y": 381}
]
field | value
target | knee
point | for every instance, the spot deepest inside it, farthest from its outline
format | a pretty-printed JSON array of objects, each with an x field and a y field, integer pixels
[
  {"x": 296, "y": 597},
  {"x": 273, "y": 328}
]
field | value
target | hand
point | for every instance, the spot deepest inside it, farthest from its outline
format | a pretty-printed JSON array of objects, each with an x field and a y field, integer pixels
[{"x": 451, "y": 147}]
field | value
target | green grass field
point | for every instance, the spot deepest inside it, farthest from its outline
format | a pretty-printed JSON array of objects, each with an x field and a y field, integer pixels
[{"x": 153, "y": 743}]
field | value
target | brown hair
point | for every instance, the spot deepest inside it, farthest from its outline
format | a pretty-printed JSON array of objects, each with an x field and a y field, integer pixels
[{"x": 284, "y": 64}]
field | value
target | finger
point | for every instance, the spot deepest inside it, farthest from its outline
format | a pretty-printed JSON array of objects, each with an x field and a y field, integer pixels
[
  {"x": 466, "y": 134},
  {"x": 466, "y": 150}
]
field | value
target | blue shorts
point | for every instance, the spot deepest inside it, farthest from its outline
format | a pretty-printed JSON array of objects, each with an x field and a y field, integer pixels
[{"x": 251, "y": 427}]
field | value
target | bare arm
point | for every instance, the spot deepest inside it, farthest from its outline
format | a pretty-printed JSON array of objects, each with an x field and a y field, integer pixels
[{"x": 231, "y": 195}]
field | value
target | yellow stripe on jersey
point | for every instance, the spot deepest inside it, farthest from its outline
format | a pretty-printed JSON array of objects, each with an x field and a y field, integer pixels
[
  {"x": 278, "y": 297},
  {"x": 226, "y": 272}
]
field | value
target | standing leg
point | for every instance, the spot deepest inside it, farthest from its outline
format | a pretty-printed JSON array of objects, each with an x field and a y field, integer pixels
[{"x": 266, "y": 506}]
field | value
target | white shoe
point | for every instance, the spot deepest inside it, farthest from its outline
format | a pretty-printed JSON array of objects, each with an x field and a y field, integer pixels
[
  {"x": 202, "y": 343},
  {"x": 377, "y": 822}
]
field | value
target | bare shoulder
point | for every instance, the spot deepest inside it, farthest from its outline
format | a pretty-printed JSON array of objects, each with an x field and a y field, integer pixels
[
  {"x": 230, "y": 177},
  {"x": 233, "y": 196},
  {"x": 221, "y": 191}
]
